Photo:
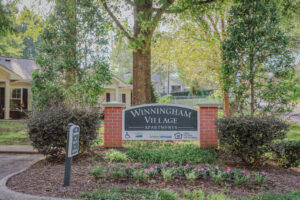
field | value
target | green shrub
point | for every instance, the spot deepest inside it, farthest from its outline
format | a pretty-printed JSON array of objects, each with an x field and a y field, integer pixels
[
  {"x": 97, "y": 171},
  {"x": 115, "y": 156},
  {"x": 218, "y": 177},
  {"x": 288, "y": 153},
  {"x": 165, "y": 99},
  {"x": 249, "y": 138},
  {"x": 168, "y": 195},
  {"x": 194, "y": 194},
  {"x": 47, "y": 129},
  {"x": 285, "y": 196},
  {"x": 120, "y": 193},
  {"x": 241, "y": 178},
  {"x": 260, "y": 178},
  {"x": 128, "y": 172},
  {"x": 168, "y": 174},
  {"x": 200, "y": 195},
  {"x": 191, "y": 176},
  {"x": 117, "y": 172},
  {"x": 189, "y": 154},
  {"x": 139, "y": 175},
  {"x": 130, "y": 193}
]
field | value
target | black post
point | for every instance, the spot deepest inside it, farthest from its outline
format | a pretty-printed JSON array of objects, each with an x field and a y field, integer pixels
[{"x": 68, "y": 163}]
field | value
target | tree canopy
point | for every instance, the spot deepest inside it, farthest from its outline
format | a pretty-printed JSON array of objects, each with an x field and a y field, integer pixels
[
  {"x": 257, "y": 68},
  {"x": 72, "y": 69}
]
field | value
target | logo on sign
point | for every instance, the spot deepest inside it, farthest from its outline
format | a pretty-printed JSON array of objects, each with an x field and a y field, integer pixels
[
  {"x": 127, "y": 135},
  {"x": 178, "y": 136},
  {"x": 139, "y": 135}
]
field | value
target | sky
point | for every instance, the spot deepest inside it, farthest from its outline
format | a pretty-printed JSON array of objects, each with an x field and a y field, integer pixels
[{"x": 40, "y": 7}]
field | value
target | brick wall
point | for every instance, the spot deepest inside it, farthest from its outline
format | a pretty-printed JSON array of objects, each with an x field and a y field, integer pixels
[
  {"x": 208, "y": 132},
  {"x": 113, "y": 126}
]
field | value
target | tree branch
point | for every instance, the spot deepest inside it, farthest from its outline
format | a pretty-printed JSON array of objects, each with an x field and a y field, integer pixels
[
  {"x": 158, "y": 15},
  {"x": 214, "y": 25},
  {"x": 130, "y": 2},
  {"x": 117, "y": 21},
  {"x": 179, "y": 10}
]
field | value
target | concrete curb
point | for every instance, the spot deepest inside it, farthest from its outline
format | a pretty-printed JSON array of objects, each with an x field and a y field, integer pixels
[{"x": 7, "y": 194}]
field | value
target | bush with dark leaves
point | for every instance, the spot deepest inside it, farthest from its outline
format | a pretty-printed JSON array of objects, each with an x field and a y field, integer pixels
[
  {"x": 47, "y": 129},
  {"x": 249, "y": 138},
  {"x": 288, "y": 153}
]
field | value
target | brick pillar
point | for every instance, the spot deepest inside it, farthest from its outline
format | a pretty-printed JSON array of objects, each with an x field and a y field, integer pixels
[
  {"x": 113, "y": 124},
  {"x": 208, "y": 132}
]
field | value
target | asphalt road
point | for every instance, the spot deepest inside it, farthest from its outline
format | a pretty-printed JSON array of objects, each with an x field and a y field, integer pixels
[{"x": 293, "y": 116}]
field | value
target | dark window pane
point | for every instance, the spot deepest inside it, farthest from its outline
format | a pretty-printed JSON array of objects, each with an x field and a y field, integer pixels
[
  {"x": 123, "y": 98},
  {"x": 16, "y": 93},
  {"x": 107, "y": 97},
  {"x": 25, "y": 98}
]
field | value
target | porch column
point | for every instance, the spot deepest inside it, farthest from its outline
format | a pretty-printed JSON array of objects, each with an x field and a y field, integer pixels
[
  {"x": 117, "y": 94},
  {"x": 7, "y": 97},
  {"x": 29, "y": 99}
]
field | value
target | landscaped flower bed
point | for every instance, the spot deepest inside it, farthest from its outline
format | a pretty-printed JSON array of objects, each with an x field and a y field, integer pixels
[
  {"x": 100, "y": 172},
  {"x": 151, "y": 173}
]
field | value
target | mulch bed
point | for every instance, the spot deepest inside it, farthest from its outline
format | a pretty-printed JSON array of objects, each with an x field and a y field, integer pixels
[{"x": 46, "y": 179}]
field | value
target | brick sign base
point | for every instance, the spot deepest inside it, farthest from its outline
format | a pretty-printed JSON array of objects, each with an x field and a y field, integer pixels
[
  {"x": 113, "y": 125},
  {"x": 208, "y": 114}
]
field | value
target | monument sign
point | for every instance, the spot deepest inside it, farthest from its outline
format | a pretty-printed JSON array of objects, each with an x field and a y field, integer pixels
[{"x": 160, "y": 122}]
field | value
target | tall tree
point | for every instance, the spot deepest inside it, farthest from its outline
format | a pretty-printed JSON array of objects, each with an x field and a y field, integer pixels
[
  {"x": 72, "y": 57},
  {"x": 121, "y": 56},
  {"x": 5, "y": 19},
  {"x": 257, "y": 64},
  {"x": 30, "y": 26},
  {"x": 184, "y": 52},
  {"x": 147, "y": 15},
  {"x": 11, "y": 43},
  {"x": 210, "y": 31}
]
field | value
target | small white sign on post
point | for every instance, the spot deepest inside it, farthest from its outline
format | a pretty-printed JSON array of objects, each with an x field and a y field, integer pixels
[{"x": 73, "y": 148}]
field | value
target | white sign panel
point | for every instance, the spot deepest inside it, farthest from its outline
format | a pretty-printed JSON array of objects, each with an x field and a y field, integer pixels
[
  {"x": 160, "y": 122},
  {"x": 73, "y": 147}
]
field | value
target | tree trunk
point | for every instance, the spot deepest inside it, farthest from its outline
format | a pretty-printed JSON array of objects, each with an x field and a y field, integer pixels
[
  {"x": 142, "y": 55},
  {"x": 252, "y": 85},
  {"x": 141, "y": 76},
  {"x": 226, "y": 105},
  {"x": 168, "y": 91}
]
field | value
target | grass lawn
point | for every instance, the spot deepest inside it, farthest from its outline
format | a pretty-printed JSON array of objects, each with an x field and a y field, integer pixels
[
  {"x": 13, "y": 133},
  {"x": 136, "y": 193},
  {"x": 294, "y": 132}
]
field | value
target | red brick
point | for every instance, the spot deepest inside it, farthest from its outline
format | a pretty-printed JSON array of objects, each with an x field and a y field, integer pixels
[
  {"x": 208, "y": 132},
  {"x": 113, "y": 127}
]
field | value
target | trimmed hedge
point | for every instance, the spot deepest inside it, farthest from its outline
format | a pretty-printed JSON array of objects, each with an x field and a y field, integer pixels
[
  {"x": 249, "y": 138},
  {"x": 189, "y": 154},
  {"x": 47, "y": 129},
  {"x": 288, "y": 153}
]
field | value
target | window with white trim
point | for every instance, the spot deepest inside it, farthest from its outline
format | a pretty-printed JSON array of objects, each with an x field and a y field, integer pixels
[{"x": 16, "y": 99}]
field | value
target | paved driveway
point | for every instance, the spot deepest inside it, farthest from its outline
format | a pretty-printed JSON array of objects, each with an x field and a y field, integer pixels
[
  {"x": 294, "y": 116},
  {"x": 10, "y": 163}
]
